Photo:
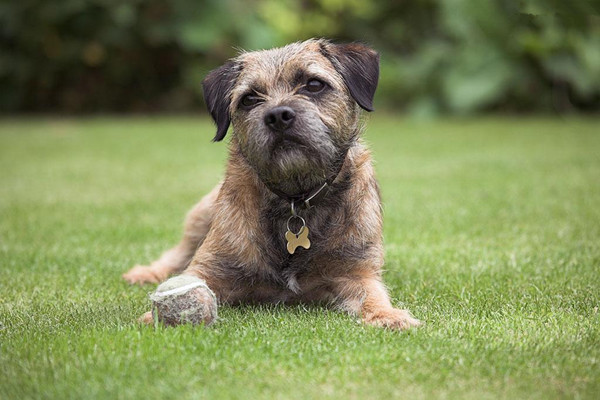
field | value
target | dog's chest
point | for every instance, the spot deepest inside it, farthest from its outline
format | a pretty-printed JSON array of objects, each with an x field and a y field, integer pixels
[{"x": 287, "y": 269}]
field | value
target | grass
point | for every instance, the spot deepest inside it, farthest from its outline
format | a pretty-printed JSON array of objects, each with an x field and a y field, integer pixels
[{"x": 492, "y": 230}]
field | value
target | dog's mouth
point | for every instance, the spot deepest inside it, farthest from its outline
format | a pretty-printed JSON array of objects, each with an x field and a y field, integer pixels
[
  {"x": 289, "y": 138},
  {"x": 286, "y": 143}
]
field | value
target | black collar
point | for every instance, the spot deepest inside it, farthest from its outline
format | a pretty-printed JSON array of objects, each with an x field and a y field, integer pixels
[{"x": 314, "y": 196}]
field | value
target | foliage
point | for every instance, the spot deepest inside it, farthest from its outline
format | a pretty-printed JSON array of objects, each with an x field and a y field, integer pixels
[{"x": 456, "y": 56}]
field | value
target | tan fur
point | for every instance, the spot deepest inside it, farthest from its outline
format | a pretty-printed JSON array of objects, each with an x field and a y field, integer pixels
[
  {"x": 229, "y": 235},
  {"x": 173, "y": 261}
]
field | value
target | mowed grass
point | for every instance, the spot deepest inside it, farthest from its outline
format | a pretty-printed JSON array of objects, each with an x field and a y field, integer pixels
[{"x": 492, "y": 232}]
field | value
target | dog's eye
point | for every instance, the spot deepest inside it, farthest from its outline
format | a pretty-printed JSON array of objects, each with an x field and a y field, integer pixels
[
  {"x": 314, "y": 86},
  {"x": 250, "y": 100}
]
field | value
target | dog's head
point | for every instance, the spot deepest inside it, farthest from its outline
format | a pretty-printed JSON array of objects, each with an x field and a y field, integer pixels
[{"x": 294, "y": 110}]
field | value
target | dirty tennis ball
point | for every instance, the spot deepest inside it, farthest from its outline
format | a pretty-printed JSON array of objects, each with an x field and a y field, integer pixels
[{"x": 184, "y": 299}]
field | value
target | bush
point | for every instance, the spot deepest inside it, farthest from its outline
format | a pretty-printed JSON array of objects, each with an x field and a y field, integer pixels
[{"x": 438, "y": 56}]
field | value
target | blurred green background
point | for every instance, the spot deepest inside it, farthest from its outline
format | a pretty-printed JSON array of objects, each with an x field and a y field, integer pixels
[{"x": 438, "y": 56}]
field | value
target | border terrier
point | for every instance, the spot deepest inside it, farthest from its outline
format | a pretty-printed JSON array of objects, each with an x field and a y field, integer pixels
[{"x": 298, "y": 216}]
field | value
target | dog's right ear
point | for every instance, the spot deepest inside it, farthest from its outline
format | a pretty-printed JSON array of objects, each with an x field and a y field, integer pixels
[{"x": 217, "y": 88}]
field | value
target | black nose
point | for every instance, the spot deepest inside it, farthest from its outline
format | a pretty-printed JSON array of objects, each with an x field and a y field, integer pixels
[{"x": 280, "y": 118}]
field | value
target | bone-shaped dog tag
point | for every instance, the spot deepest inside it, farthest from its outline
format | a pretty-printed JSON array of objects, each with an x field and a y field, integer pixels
[{"x": 295, "y": 240}]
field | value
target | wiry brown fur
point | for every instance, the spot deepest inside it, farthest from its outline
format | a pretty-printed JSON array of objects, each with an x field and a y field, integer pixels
[{"x": 234, "y": 238}]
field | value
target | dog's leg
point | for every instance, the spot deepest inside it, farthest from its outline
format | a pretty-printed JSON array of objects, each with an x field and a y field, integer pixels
[
  {"x": 367, "y": 297},
  {"x": 197, "y": 224}
]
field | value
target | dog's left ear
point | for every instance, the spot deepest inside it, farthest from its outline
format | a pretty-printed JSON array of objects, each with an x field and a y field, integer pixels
[
  {"x": 359, "y": 66},
  {"x": 217, "y": 88}
]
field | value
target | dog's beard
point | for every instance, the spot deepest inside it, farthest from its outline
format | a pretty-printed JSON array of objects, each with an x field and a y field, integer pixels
[{"x": 296, "y": 161}]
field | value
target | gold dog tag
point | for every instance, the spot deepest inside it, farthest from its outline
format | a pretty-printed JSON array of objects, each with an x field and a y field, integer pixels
[{"x": 295, "y": 240}]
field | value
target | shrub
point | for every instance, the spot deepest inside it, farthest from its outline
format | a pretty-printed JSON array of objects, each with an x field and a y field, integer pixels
[{"x": 438, "y": 56}]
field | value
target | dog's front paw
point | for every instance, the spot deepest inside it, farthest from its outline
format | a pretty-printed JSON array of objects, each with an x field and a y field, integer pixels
[
  {"x": 146, "y": 318},
  {"x": 141, "y": 275},
  {"x": 392, "y": 318}
]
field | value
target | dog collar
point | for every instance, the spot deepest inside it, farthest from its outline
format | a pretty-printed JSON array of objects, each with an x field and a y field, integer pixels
[
  {"x": 306, "y": 200},
  {"x": 314, "y": 196}
]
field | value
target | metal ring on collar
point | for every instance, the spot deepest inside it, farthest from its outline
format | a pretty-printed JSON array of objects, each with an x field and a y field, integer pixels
[
  {"x": 301, "y": 229},
  {"x": 294, "y": 214}
]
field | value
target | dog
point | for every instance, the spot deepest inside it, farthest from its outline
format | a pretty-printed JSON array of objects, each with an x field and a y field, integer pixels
[{"x": 297, "y": 217}]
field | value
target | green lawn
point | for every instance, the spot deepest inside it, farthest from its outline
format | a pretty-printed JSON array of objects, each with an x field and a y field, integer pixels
[{"x": 492, "y": 231}]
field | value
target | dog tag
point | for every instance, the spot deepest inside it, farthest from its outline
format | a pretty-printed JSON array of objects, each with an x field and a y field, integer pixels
[{"x": 295, "y": 240}]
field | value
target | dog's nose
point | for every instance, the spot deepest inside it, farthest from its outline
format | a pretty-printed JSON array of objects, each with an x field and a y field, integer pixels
[{"x": 280, "y": 118}]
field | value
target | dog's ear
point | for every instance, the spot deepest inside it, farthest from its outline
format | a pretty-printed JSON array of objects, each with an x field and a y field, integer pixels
[
  {"x": 217, "y": 88},
  {"x": 359, "y": 66}
]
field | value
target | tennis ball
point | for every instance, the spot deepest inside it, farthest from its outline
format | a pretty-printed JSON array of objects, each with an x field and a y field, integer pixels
[{"x": 184, "y": 299}]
